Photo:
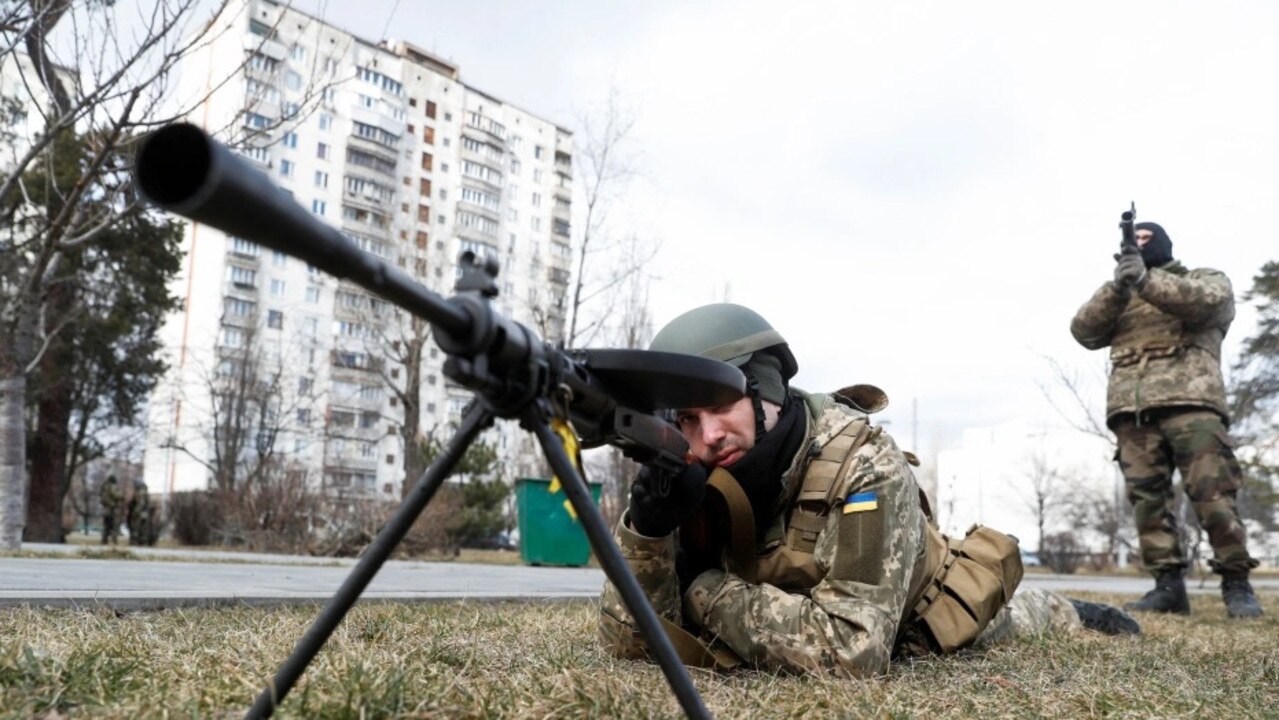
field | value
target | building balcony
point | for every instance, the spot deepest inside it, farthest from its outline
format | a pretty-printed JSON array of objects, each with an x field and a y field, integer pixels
[
  {"x": 242, "y": 289},
  {"x": 480, "y": 210},
  {"x": 356, "y": 361},
  {"x": 273, "y": 49},
  {"x": 557, "y": 275}
]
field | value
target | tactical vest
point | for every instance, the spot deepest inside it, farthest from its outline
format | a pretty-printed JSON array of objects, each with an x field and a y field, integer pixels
[{"x": 956, "y": 586}]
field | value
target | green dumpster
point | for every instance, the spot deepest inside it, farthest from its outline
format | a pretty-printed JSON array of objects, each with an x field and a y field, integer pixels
[{"x": 549, "y": 534}]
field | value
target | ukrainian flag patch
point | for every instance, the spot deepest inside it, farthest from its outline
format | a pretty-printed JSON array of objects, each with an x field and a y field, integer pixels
[{"x": 861, "y": 502}]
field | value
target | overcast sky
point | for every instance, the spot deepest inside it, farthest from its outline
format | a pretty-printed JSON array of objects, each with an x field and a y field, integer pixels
[{"x": 918, "y": 195}]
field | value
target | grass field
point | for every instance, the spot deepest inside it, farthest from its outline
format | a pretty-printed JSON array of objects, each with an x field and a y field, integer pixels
[{"x": 541, "y": 660}]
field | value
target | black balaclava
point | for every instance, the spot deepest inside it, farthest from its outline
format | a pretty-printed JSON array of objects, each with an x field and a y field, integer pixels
[
  {"x": 1159, "y": 250},
  {"x": 760, "y": 470}
]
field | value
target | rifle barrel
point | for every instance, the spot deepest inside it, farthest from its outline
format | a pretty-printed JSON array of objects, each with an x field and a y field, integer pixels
[{"x": 181, "y": 169}]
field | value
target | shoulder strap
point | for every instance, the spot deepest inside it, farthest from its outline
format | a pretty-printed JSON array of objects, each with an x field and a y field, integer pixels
[
  {"x": 820, "y": 487},
  {"x": 741, "y": 519},
  {"x": 693, "y": 652}
]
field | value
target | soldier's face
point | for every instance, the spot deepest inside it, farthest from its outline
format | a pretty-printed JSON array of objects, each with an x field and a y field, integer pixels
[
  {"x": 719, "y": 436},
  {"x": 1143, "y": 236}
]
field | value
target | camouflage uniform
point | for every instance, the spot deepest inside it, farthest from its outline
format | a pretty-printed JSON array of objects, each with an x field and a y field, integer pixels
[
  {"x": 139, "y": 515},
  {"x": 110, "y": 498},
  {"x": 848, "y": 619},
  {"x": 1166, "y": 403}
]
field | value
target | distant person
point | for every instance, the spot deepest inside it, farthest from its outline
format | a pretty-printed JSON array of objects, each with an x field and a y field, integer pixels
[
  {"x": 139, "y": 515},
  {"x": 797, "y": 539},
  {"x": 110, "y": 497},
  {"x": 1167, "y": 407}
]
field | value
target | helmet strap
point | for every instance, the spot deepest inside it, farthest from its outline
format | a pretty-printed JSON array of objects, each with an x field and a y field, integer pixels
[{"x": 752, "y": 387}]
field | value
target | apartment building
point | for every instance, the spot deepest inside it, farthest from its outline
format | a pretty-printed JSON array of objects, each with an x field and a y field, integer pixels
[{"x": 385, "y": 142}]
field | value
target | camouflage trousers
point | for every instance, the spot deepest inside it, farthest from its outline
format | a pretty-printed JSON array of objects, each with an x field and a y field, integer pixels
[
  {"x": 1194, "y": 442},
  {"x": 1031, "y": 612}
]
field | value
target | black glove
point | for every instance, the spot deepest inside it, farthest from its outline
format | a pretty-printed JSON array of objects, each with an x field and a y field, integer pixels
[
  {"x": 655, "y": 516},
  {"x": 1130, "y": 271}
]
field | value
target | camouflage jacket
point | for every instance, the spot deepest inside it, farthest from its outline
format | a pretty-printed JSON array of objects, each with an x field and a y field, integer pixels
[
  {"x": 1165, "y": 339},
  {"x": 110, "y": 496},
  {"x": 848, "y": 622}
]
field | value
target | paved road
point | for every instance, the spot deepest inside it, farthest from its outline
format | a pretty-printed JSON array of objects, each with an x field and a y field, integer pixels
[{"x": 278, "y": 579}]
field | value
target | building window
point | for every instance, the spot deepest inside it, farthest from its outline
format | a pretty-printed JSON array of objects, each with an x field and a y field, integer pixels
[
  {"x": 423, "y": 214},
  {"x": 292, "y": 80},
  {"x": 286, "y": 168},
  {"x": 321, "y": 179},
  {"x": 240, "y": 308},
  {"x": 304, "y": 385},
  {"x": 278, "y": 258},
  {"x": 326, "y": 121},
  {"x": 427, "y": 161},
  {"x": 304, "y": 416},
  {"x": 537, "y": 152},
  {"x": 318, "y": 207},
  {"x": 243, "y": 277},
  {"x": 298, "y": 53},
  {"x": 233, "y": 337},
  {"x": 430, "y": 109},
  {"x": 448, "y": 117},
  {"x": 428, "y": 135},
  {"x": 537, "y": 200},
  {"x": 312, "y": 294},
  {"x": 322, "y": 151},
  {"x": 421, "y": 240},
  {"x": 444, "y": 167},
  {"x": 274, "y": 319},
  {"x": 257, "y": 121},
  {"x": 290, "y": 139},
  {"x": 277, "y": 288}
]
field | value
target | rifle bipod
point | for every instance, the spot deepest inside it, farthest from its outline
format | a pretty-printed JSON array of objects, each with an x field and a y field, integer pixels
[{"x": 475, "y": 419}]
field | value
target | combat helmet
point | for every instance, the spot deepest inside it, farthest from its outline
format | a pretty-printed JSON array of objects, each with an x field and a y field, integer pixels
[{"x": 741, "y": 337}]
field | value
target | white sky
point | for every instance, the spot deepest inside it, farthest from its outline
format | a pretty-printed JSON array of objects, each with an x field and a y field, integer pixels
[{"x": 917, "y": 194}]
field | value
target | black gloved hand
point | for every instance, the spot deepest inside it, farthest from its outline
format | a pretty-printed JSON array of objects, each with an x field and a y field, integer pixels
[
  {"x": 655, "y": 516},
  {"x": 1130, "y": 271}
]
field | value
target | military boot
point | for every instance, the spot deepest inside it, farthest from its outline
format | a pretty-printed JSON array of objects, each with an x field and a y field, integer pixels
[
  {"x": 1105, "y": 618},
  {"x": 1169, "y": 595},
  {"x": 1237, "y": 593}
]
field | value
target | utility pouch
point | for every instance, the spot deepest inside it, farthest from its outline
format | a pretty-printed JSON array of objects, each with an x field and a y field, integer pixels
[{"x": 976, "y": 579}]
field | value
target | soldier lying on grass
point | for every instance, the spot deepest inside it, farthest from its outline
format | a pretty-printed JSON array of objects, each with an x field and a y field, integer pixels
[{"x": 799, "y": 540}]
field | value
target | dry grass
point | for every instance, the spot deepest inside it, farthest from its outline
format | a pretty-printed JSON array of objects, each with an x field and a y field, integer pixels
[{"x": 541, "y": 660}]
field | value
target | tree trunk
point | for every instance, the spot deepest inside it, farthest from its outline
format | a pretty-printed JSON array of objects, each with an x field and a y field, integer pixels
[
  {"x": 13, "y": 461},
  {"x": 49, "y": 462},
  {"x": 410, "y": 428}
]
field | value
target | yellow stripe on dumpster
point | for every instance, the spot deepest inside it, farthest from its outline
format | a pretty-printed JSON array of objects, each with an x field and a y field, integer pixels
[{"x": 569, "y": 507}]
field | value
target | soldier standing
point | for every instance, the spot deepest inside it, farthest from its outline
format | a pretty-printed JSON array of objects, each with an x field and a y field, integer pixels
[
  {"x": 1166, "y": 404},
  {"x": 110, "y": 498},
  {"x": 797, "y": 539},
  {"x": 139, "y": 515}
]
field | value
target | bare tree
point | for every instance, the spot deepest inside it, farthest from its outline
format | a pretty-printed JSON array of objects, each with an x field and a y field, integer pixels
[
  {"x": 84, "y": 81},
  {"x": 1078, "y": 411},
  {"x": 1042, "y": 493},
  {"x": 607, "y": 256},
  {"x": 257, "y": 485}
]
